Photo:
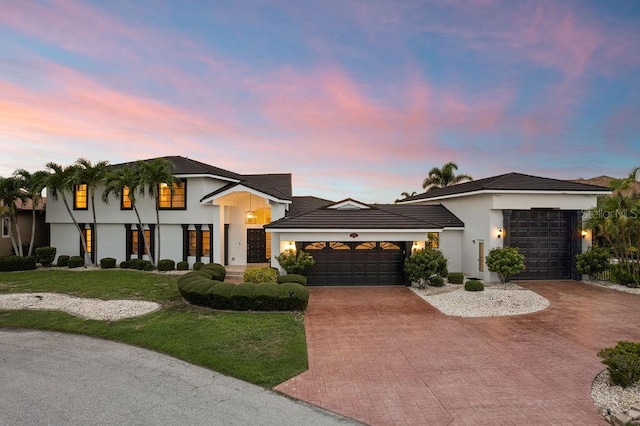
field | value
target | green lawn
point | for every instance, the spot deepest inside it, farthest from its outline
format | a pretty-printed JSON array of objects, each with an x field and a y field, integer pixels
[{"x": 262, "y": 348}]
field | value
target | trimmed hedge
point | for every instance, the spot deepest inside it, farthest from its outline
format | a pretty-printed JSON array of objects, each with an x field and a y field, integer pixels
[
  {"x": 17, "y": 263},
  {"x": 473, "y": 285},
  {"x": 455, "y": 278},
  {"x": 75, "y": 262},
  {"x": 166, "y": 265},
  {"x": 197, "y": 288},
  {"x": 63, "y": 261},
  {"x": 292, "y": 278},
  {"x": 196, "y": 266},
  {"x": 107, "y": 263},
  {"x": 125, "y": 264},
  {"x": 260, "y": 275},
  {"x": 436, "y": 281},
  {"x": 183, "y": 266},
  {"x": 219, "y": 272},
  {"x": 45, "y": 255}
]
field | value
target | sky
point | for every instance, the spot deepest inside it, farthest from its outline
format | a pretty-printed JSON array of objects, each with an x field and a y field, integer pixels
[{"x": 356, "y": 99}]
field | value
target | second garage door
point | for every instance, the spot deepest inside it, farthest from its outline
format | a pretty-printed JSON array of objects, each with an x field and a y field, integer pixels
[{"x": 355, "y": 263}]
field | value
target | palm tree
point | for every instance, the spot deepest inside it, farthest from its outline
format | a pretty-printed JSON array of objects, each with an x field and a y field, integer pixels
[
  {"x": 92, "y": 174},
  {"x": 32, "y": 184},
  {"x": 154, "y": 174},
  {"x": 439, "y": 178},
  {"x": 127, "y": 178},
  {"x": 10, "y": 191},
  {"x": 58, "y": 181}
]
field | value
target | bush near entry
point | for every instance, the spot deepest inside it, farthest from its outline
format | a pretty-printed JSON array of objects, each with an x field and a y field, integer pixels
[
  {"x": 295, "y": 261},
  {"x": 593, "y": 262},
  {"x": 424, "y": 264},
  {"x": 292, "y": 278},
  {"x": 455, "y": 278},
  {"x": 260, "y": 275},
  {"x": 506, "y": 262},
  {"x": 474, "y": 285},
  {"x": 623, "y": 363}
]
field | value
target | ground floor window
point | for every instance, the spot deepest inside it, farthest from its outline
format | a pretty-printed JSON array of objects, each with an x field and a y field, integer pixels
[
  {"x": 6, "y": 224},
  {"x": 197, "y": 241},
  {"x": 135, "y": 241},
  {"x": 88, "y": 238}
]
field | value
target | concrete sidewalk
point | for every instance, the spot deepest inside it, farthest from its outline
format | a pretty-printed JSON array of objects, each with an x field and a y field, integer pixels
[{"x": 57, "y": 378}]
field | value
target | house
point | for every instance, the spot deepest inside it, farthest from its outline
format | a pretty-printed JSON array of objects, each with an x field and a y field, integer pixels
[
  {"x": 24, "y": 216},
  {"x": 215, "y": 215}
]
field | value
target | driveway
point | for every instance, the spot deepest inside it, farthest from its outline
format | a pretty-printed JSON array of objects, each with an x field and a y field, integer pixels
[
  {"x": 385, "y": 356},
  {"x": 55, "y": 378}
]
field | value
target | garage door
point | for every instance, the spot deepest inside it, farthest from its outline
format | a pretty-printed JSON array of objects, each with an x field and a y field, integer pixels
[
  {"x": 355, "y": 263},
  {"x": 545, "y": 238}
]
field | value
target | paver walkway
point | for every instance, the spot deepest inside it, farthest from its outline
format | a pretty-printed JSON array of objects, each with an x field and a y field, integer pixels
[{"x": 385, "y": 356}]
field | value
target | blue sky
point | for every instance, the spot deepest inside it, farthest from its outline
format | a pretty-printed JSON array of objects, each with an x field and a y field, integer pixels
[{"x": 354, "y": 98}]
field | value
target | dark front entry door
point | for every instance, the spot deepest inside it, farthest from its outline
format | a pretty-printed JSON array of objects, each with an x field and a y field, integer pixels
[{"x": 256, "y": 246}]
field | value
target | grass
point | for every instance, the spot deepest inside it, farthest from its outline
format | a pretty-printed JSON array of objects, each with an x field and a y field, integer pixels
[{"x": 261, "y": 348}]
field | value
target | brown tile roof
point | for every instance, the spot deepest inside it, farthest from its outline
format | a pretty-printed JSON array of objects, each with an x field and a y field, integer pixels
[
  {"x": 28, "y": 203},
  {"x": 606, "y": 182},
  {"x": 507, "y": 182}
]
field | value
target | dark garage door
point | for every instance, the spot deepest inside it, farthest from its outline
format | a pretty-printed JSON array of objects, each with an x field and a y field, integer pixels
[
  {"x": 355, "y": 263},
  {"x": 546, "y": 239}
]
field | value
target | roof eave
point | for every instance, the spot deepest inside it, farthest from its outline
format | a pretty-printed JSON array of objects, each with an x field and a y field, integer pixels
[
  {"x": 242, "y": 188},
  {"x": 504, "y": 191}
]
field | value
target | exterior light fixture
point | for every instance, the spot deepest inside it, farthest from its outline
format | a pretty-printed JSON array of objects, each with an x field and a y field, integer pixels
[
  {"x": 500, "y": 233},
  {"x": 250, "y": 215},
  {"x": 584, "y": 233}
]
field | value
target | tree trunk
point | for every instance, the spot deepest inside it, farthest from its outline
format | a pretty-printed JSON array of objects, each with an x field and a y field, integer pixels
[
  {"x": 12, "y": 238},
  {"x": 87, "y": 256},
  {"x": 158, "y": 225},
  {"x": 144, "y": 236},
  {"x": 95, "y": 228},
  {"x": 33, "y": 227},
  {"x": 14, "y": 218}
]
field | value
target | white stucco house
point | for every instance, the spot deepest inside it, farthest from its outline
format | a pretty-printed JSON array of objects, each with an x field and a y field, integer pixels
[{"x": 220, "y": 216}]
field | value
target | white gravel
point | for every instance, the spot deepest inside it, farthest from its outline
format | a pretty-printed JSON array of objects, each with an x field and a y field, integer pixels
[
  {"x": 93, "y": 309},
  {"x": 613, "y": 286},
  {"x": 495, "y": 300},
  {"x": 611, "y": 399}
]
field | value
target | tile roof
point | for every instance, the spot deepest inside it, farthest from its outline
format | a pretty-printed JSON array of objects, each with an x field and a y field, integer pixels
[
  {"x": 379, "y": 216},
  {"x": 187, "y": 166},
  {"x": 508, "y": 182},
  {"x": 606, "y": 181},
  {"x": 303, "y": 204}
]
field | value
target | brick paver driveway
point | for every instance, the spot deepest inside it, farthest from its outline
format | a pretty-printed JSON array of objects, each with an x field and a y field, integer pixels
[{"x": 384, "y": 356}]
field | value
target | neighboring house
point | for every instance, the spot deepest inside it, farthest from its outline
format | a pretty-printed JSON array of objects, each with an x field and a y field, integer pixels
[
  {"x": 24, "y": 216},
  {"x": 606, "y": 181},
  {"x": 219, "y": 216}
]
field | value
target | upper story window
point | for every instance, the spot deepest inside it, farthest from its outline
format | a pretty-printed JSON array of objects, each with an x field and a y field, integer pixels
[
  {"x": 125, "y": 202},
  {"x": 263, "y": 215},
  {"x": 173, "y": 200},
  {"x": 80, "y": 197}
]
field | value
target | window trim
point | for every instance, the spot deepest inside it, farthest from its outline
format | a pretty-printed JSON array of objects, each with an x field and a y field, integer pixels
[
  {"x": 76, "y": 189},
  {"x": 184, "y": 207},
  {"x": 122, "y": 200},
  {"x": 7, "y": 221}
]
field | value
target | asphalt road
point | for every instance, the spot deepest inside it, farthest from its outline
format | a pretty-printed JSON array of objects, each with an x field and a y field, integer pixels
[{"x": 57, "y": 378}]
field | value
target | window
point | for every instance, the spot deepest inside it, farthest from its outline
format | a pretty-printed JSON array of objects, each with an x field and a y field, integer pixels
[
  {"x": 433, "y": 240},
  {"x": 6, "y": 224},
  {"x": 198, "y": 242},
  {"x": 176, "y": 200},
  {"x": 206, "y": 243},
  {"x": 88, "y": 237},
  {"x": 80, "y": 197},
  {"x": 263, "y": 215},
  {"x": 137, "y": 243},
  {"x": 193, "y": 243},
  {"x": 125, "y": 202}
]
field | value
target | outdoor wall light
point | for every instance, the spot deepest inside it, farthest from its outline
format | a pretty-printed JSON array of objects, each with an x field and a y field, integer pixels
[
  {"x": 499, "y": 233},
  {"x": 584, "y": 233}
]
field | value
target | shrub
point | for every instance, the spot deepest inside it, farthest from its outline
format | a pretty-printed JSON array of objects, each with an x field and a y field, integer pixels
[
  {"x": 423, "y": 264},
  {"x": 292, "y": 278},
  {"x": 473, "y": 285},
  {"x": 75, "y": 262},
  {"x": 593, "y": 262},
  {"x": 184, "y": 266},
  {"x": 45, "y": 255},
  {"x": 623, "y": 363},
  {"x": 506, "y": 262},
  {"x": 147, "y": 266},
  {"x": 194, "y": 289},
  {"x": 295, "y": 262},
  {"x": 219, "y": 296},
  {"x": 455, "y": 278},
  {"x": 107, "y": 263},
  {"x": 242, "y": 296},
  {"x": 260, "y": 275},
  {"x": 133, "y": 264},
  {"x": 63, "y": 261},
  {"x": 219, "y": 272},
  {"x": 269, "y": 297},
  {"x": 166, "y": 265},
  {"x": 17, "y": 263},
  {"x": 125, "y": 264},
  {"x": 298, "y": 297},
  {"x": 436, "y": 281},
  {"x": 196, "y": 266},
  {"x": 623, "y": 276}
]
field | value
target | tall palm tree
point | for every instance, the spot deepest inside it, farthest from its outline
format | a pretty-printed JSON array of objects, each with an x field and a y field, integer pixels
[
  {"x": 154, "y": 174},
  {"x": 58, "y": 181},
  {"x": 129, "y": 178},
  {"x": 32, "y": 184},
  {"x": 445, "y": 176},
  {"x": 10, "y": 191},
  {"x": 92, "y": 175}
]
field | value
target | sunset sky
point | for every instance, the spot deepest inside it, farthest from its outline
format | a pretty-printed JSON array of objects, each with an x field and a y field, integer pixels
[{"x": 354, "y": 98}]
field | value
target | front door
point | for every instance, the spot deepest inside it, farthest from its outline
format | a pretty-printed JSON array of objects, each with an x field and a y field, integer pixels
[{"x": 256, "y": 246}]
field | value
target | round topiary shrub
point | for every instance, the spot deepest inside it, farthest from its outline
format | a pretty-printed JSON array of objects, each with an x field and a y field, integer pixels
[
  {"x": 125, "y": 264},
  {"x": 473, "y": 285},
  {"x": 45, "y": 255},
  {"x": 75, "y": 262},
  {"x": 133, "y": 263},
  {"x": 219, "y": 272},
  {"x": 455, "y": 278},
  {"x": 63, "y": 261},
  {"x": 260, "y": 275},
  {"x": 506, "y": 262},
  {"x": 436, "y": 281},
  {"x": 423, "y": 264},
  {"x": 107, "y": 263},
  {"x": 183, "y": 266},
  {"x": 298, "y": 297},
  {"x": 197, "y": 266},
  {"x": 166, "y": 265},
  {"x": 292, "y": 278},
  {"x": 148, "y": 266}
]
